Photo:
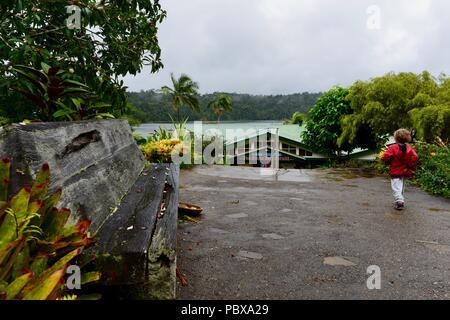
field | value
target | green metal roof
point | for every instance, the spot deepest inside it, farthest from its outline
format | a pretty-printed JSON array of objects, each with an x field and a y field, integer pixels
[{"x": 291, "y": 132}]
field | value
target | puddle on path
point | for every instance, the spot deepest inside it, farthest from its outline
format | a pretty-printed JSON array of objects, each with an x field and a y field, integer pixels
[
  {"x": 334, "y": 219},
  {"x": 394, "y": 214},
  {"x": 354, "y": 173}
]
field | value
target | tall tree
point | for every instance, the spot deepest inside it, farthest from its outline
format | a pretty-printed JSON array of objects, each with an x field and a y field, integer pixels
[
  {"x": 221, "y": 104},
  {"x": 323, "y": 126},
  {"x": 183, "y": 92},
  {"x": 98, "y": 41},
  {"x": 432, "y": 122},
  {"x": 404, "y": 100}
]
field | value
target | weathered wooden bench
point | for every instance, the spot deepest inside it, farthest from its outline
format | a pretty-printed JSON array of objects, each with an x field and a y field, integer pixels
[
  {"x": 138, "y": 242},
  {"x": 133, "y": 210}
]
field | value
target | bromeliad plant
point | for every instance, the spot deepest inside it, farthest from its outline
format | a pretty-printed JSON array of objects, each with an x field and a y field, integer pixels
[
  {"x": 161, "y": 151},
  {"x": 36, "y": 247},
  {"x": 161, "y": 145},
  {"x": 180, "y": 132}
]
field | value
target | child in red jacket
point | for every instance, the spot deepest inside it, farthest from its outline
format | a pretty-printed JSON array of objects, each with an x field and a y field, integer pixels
[{"x": 402, "y": 159}]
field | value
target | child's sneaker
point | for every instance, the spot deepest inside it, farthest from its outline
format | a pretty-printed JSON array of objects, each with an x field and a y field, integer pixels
[{"x": 399, "y": 206}]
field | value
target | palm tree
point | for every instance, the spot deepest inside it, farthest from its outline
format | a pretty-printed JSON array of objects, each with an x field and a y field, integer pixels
[
  {"x": 184, "y": 92},
  {"x": 221, "y": 104},
  {"x": 298, "y": 118}
]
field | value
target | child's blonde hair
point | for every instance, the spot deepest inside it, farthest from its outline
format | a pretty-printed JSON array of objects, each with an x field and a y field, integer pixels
[{"x": 402, "y": 136}]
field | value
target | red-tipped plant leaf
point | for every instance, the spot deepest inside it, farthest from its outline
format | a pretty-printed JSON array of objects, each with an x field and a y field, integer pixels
[
  {"x": 54, "y": 224},
  {"x": 40, "y": 185},
  {"x": 22, "y": 261},
  {"x": 43, "y": 289},
  {"x": 5, "y": 168},
  {"x": 6, "y": 269},
  {"x": 6, "y": 250},
  {"x": 39, "y": 264},
  {"x": 17, "y": 285}
]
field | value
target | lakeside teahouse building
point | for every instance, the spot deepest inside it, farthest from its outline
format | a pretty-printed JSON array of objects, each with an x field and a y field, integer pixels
[{"x": 283, "y": 145}]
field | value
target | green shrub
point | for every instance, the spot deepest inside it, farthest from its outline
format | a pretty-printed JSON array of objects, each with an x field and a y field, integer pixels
[
  {"x": 3, "y": 121},
  {"x": 36, "y": 247},
  {"x": 433, "y": 170}
]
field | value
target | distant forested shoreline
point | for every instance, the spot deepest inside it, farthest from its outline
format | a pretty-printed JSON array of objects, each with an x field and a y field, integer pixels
[{"x": 152, "y": 106}]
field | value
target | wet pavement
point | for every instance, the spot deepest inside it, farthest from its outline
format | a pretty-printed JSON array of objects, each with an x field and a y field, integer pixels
[{"x": 310, "y": 234}]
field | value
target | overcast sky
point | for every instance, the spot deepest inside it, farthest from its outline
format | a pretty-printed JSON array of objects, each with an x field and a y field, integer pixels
[{"x": 287, "y": 46}]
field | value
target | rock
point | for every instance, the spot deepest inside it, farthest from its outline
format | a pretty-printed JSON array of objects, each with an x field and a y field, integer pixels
[
  {"x": 439, "y": 248},
  {"x": 249, "y": 255},
  {"x": 95, "y": 162},
  {"x": 272, "y": 236},
  {"x": 338, "y": 261}
]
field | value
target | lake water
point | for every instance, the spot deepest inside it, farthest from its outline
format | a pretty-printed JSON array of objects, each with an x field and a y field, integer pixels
[{"x": 211, "y": 128}]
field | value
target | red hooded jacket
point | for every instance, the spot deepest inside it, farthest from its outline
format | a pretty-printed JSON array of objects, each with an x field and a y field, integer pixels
[{"x": 402, "y": 159}]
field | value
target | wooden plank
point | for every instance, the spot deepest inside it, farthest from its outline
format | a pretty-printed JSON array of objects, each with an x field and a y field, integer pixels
[
  {"x": 129, "y": 229},
  {"x": 162, "y": 251},
  {"x": 138, "y": 241}
]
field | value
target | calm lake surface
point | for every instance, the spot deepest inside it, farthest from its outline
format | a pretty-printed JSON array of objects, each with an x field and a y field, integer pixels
[{"x": 210, "y": 128}]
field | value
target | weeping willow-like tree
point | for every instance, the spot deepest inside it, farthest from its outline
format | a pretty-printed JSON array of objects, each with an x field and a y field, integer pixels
[
  {"x": 404, "y": 100},
  {"x": 183, "y": 93}
]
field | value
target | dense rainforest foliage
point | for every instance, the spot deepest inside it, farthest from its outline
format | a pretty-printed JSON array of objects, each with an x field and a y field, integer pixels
[
  {"x": 60, "y": 62},
  {"x": 152, "y": 106},
  {"x": 367, "y": 113},
  {"x": 397, "y": 100}
]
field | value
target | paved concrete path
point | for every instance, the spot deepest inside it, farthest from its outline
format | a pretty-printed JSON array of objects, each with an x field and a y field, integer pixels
[{"x": 310, "y": 234}]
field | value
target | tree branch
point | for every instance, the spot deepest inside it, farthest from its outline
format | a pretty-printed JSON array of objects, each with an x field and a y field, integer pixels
[
  {"x": 47, "y": 31},
  {"x": 9, "y": 46}
]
